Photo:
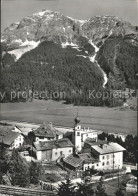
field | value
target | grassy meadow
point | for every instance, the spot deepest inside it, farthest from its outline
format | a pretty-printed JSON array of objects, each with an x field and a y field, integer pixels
[{"x": 60, "y": 114}]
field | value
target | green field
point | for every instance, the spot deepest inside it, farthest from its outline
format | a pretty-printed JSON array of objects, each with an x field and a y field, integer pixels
[{"x": 101, "y": 118}]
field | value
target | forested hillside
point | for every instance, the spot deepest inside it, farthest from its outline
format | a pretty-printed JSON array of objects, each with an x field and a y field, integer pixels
[
  {"x": 119, "y": 59},
  {"x": 52, "y": 68},
  {"x": 52, "y": 52}
]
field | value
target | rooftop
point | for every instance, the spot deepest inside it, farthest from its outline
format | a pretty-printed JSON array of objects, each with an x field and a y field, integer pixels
[
  {"x": 25, "y": 130},
  {"x": 107, "y": 148},
  {"x": 87, "y": 157},
  {"x": 9, "y": 137},
  {"x": 5, "y": 129},
  {"x": 92, "y": 142},
  {"x": 73, "y": 160},
  {"x": 47, "y": 145},
  {"x": 47, "y": 131}
]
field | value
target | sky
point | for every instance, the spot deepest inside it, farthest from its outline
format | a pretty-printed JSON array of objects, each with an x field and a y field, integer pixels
[{"x": 14, "y": 10}]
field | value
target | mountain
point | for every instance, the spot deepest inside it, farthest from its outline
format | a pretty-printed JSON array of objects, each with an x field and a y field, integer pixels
[{"x": 54, "y": 52}]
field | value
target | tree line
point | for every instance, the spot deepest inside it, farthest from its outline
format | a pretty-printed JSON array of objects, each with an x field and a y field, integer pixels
[{"x": 50, "y": 67}]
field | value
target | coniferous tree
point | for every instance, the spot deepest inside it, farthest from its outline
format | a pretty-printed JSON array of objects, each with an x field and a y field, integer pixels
[
  {"x": 3, "y": 159},
  {"x": 18, "y": 171},
  {"x": 119, "y": 192},
  {"x": 66, "y": 189},
  {"x": 84, "y": 190},
  {"x": 100, "y": 191},
  {"x": 34, "y": 173}
]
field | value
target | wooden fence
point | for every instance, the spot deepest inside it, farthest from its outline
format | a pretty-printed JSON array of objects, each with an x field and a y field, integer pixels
[{"x": 17, "y": 191}]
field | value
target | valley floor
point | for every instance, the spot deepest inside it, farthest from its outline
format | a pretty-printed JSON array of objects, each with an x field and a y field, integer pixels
[{"x": 60, "y": 114}]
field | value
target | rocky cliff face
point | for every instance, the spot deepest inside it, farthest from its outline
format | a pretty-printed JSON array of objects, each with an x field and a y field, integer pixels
[{"x": 93, "y": 39}]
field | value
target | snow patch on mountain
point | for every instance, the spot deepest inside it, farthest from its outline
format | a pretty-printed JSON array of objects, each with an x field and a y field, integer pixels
[
  {"x": 17, "y": 41},
  {"x": 25, "y": 47},
  {"x": 65, "y": 44},
  {"x": 82, "y": 56},
  {"x": 40, "y": 13},
  {"x": 3, "y": 40},
  {"x": 77, "y": 20},
  {"x": 75, "y": 46}
]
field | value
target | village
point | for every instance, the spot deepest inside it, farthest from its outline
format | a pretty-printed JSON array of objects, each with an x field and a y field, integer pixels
[{"x": 75, "y": 152}]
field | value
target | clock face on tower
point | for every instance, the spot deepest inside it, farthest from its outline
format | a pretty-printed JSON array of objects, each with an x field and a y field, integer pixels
[{"x": 78, "y": 127}]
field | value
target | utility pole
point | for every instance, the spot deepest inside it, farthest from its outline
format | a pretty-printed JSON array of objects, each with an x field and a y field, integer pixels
[
  {"x": 113, "y": 162},
  {"x": 118, "y": 176}
]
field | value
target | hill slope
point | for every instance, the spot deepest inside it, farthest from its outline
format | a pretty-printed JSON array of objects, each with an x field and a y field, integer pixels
[{"x": 49, "y": 51}]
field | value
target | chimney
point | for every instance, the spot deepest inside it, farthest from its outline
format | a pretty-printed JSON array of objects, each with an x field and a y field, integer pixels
[
  {"x": 101, "y": 146},
  {"x": 50, "y": 124},
  {"x": 44, "y": 125}
]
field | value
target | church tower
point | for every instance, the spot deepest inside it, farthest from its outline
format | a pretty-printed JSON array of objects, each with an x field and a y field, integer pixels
[{"x": 77, "y": 134}]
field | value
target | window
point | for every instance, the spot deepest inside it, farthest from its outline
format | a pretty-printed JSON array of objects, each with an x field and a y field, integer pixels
[
  {"x": 103, "y": 163},
  {"x": 103, "y": 157},
  {"x": 78, "y": 133},
  {"x": 69, "y": 150},
  {"x": 107, "y": 163},
  {"x": 61, "y": 153},
  {"x": 97, "y": 165},
  {"x": 55, "y": 153},
  {"x": 107, "y": 157}
]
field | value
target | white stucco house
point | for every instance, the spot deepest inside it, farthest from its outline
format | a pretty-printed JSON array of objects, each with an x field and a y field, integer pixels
[
  {"x": 53, "y": 150},
  {"x": 10, "y": 138}
]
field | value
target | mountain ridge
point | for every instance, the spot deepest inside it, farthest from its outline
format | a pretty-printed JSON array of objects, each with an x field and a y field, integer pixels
[{"x": 85, "y": 40}]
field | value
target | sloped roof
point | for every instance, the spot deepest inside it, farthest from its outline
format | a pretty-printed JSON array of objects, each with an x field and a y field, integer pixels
[
  {"x": 47, "y": 145},
  {"x": 5, "y": 129},
  {"x": 25, "y": 130},
  {"x": 9, "y": 138},
  {"x": 87, "y": 158},
  {"x": 92, "y": 142},
  {"x": 73, "y": 160},
  {"x": 108, "y": 148},
  {"x": 47, "y": 131}
]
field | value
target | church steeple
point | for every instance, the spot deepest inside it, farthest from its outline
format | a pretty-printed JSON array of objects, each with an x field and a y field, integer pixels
[
  {"x": 77, "y": 133},
  {"x": 77, "y": 120}
]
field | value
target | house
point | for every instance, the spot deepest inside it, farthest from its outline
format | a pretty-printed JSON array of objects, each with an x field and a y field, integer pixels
[
  {"x": 82, "y": 162},
  {"x": 89, "y": 161},
  {"x": 109, "y": 154},
  {"x": 47, "y": 132},
  {"x": 10, "y": 138},
  {"x": 73, "y": 162},
  {"x": 53, "y": 150},
  {"x": 99, "y": 155},
  {"x": 24, "y": 130}
]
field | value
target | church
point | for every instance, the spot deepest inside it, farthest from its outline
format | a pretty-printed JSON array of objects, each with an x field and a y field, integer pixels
[{"x": 89, "y": 152}]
